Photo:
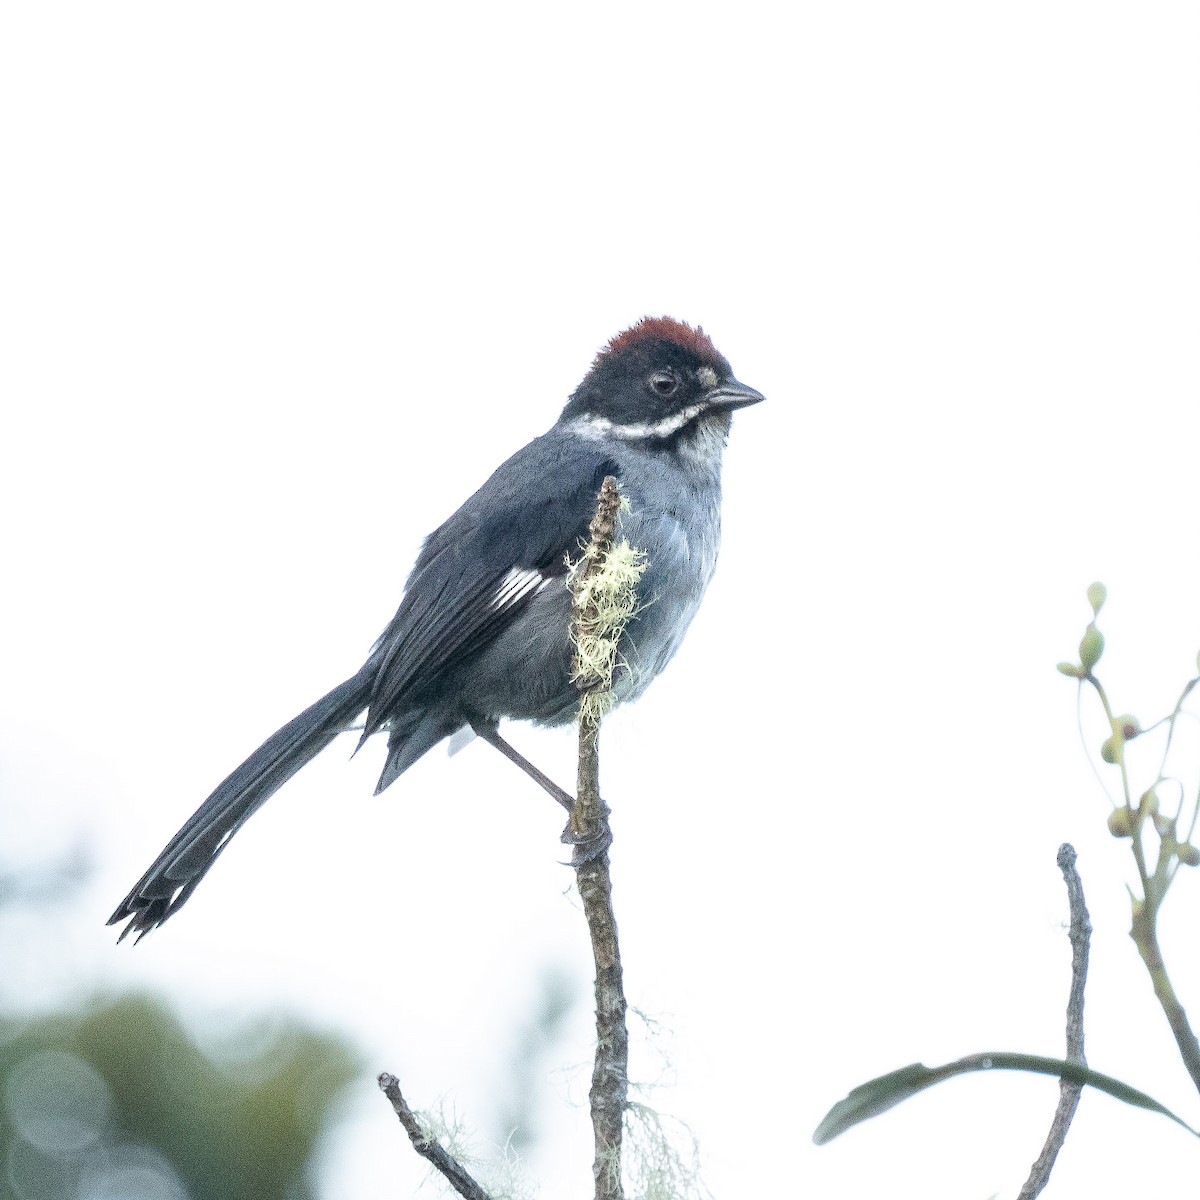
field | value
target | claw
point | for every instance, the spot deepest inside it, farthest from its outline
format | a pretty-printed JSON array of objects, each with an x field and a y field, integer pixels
[{"x": 590, "y": 843}]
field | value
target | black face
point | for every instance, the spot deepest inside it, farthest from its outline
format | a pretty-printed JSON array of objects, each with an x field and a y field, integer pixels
[{"x": 646, "y": 383}]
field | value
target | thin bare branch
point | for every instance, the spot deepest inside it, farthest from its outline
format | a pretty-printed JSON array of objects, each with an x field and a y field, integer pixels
[
  {"x": 427, "y": 1147},
  {"x": 590, "y": 832},
  {"x": 1068, "y": 1098}
]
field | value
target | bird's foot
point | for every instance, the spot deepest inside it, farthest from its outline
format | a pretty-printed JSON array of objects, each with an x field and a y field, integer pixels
[{"x": 590, "y": 837}]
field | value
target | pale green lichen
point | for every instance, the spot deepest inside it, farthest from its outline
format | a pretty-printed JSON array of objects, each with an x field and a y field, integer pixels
[
  {"x": 661, "y": 1157},
  {"x": 500, "y": 1174},
  {"x": 606, "y": 599}
]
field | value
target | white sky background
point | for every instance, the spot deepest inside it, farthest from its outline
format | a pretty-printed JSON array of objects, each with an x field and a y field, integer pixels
[{"x": 282, "y": 284}]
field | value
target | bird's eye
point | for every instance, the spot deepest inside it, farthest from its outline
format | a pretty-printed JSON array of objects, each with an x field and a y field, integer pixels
[{"x": 664, "y": 382}]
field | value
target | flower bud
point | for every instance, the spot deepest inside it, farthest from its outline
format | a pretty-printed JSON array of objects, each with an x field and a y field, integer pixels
[
  {"x": 1189, "y": 855},
  {"x": 1111, "y": 750},
  {"x": 1127, "y": 725},
  {"x": 1148, "y": 802},
  {"x": 1091, "y": 647},
  {"x": 1097, "y": 593},
  {"x": 1121, "y": 823}
]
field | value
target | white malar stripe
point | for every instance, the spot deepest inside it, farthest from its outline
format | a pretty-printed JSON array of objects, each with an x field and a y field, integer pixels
[
  {"x": 640, "y": 431},
  {"x": 516, "y": 585}
]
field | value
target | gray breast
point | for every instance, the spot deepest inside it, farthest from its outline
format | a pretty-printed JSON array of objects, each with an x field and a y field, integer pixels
[{"x": 681, "y": 548}]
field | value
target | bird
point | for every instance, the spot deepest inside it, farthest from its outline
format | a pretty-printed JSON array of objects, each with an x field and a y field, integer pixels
[{"x": 482, "y": 632}]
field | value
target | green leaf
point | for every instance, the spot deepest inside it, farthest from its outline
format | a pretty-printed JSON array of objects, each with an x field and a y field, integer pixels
[{"x": 871, "y": 1099}]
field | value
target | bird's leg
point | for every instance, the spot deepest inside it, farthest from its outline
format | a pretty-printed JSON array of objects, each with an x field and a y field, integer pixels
[
  {"x": 588, "y": 843},
  {"x": 487, "y": 731}
]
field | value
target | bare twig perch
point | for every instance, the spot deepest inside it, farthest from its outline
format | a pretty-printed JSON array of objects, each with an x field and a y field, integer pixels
[
  {"x": 427, "y": 1147},
  {"x": 604, "y": 592},
  {"x": 1068, "y": 1097},
  {"x": 605, "y": 596}
]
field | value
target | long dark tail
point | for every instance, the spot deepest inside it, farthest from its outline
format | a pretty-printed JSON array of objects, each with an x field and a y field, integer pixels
[{"x": 173, "y": 876}]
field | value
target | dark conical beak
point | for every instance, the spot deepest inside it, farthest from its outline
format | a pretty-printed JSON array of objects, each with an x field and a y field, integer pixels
[{"x": 732, "y": 394}]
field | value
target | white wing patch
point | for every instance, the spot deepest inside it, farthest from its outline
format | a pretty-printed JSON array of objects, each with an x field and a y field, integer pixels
[{"x": 516, "y": 585}]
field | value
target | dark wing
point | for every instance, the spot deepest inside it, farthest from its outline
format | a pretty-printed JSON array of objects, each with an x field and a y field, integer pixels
[{"x": 478, "y": 571}]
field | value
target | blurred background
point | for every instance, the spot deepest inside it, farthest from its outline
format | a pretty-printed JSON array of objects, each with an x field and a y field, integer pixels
[{"x": 281, "y": 284}]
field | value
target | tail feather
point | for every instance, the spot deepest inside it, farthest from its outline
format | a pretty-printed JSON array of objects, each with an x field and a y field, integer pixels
[
  {"x": 186, "y": 858},
  {"x": 412, "y": 735}
]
